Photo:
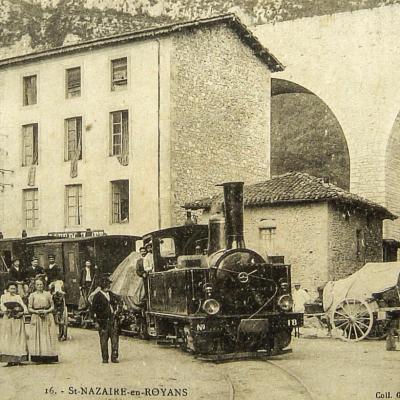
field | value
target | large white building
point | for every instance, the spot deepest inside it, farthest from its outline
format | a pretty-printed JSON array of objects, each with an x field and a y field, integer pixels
[{"x": 116, "y": 133}]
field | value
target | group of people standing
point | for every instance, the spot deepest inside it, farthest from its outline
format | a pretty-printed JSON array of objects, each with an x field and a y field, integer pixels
[
  {"x": 24, "y": 276},
  {"x": 26, "y": 294}
]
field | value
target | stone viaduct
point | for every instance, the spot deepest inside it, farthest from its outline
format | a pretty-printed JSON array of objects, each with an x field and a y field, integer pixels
[{"x": 351, "y": 61}]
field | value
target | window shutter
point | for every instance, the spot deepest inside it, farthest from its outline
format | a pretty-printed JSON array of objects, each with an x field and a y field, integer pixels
[
  {"x": 119, "y": 72},
  {"x": 74, "y": 78},
  {"x": 35, "y": 145},
  {"x": 125, "y": 134},
  {"x": 73, "y": 85}
]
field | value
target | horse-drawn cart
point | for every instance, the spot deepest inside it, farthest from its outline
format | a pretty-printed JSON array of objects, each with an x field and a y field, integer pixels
[{"x": 364, "y": 305}]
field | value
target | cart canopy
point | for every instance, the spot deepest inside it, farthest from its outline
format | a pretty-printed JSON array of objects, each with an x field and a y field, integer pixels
[
  {"x": 126, "y": 283},
  {"x": 371, "y": 278}
]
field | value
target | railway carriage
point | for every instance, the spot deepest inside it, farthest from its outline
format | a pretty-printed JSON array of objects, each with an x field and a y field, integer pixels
[
  {"x": 11, "y": 248},
  {"x": 106, "y": 252}
]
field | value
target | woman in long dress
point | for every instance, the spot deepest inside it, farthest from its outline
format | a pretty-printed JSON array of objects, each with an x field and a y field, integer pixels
[
  {"x": 43, "y": 340},
  {"x": 13, "y": 344}
]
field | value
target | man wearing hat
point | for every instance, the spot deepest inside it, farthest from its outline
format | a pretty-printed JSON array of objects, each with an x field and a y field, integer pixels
[
  {"x": 139, "y": 263},
  {"x": 34, "y": 269},
  {"x": 300, "y": 297},
  {"x": 53, "y": 272},
  {"x": 141, "y": 291},
  {"x": 148, "y": 261},
  {"x": 105, "y": 306},
  {"x": 16, "y": 272},
  {"x": 87, "y": 279}
]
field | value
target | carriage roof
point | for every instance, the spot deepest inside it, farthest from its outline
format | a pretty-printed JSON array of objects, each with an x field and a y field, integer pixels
[
  {"x": 24, "y": 240},
  {"x": 177, "y": 230},
  {"x": 83, "y": 239}
]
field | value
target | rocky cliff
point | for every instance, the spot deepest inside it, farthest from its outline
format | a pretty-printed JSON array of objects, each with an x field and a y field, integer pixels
[{"x": 31, "y": 25}]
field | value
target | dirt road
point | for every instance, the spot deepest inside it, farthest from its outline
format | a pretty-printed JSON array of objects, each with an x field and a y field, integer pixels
[{"x": 317, "y": 369}]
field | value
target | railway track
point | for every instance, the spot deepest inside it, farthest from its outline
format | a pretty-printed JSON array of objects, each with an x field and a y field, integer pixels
[
  {"x": 306, "y": 390},
  {"x": 248, "y": 380},
  {"x": 258, "y": 379}
]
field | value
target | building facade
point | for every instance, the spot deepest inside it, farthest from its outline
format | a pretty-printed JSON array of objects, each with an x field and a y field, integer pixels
[
  {"x": 324, "y": 232},
  {"x": 116, "y": 133}
]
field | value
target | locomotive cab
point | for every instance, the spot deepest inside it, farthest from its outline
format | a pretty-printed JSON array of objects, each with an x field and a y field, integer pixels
[{"x": 171, "y": 246}]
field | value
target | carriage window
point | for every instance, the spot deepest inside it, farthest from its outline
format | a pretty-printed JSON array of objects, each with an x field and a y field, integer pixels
[
  {"x": 42, "y": 260},
  {"x": 71, "y": 262},
  {"x": 167, "y": 247},
  {"x": 6, "y": 260}
]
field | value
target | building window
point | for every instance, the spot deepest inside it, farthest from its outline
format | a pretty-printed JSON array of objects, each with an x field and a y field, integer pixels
[
  {"x": 73, "y": 203},
  {"x": 73, "y": 82},
  {"x": 30, "y": 154},
  {"x": 120, "y": 201},
  {"x": 119, "y": 133},
  {"x": 119, "y": 73},
  {"x": 30, "y": 90},
  {"x": 360, "y": 245},
  {"x": 31, "y": 207},
  {"x": 267, "y": 233},
  {"x": 73, "y": 139}
]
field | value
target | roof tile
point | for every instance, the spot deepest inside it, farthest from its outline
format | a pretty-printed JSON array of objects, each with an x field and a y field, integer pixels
[{"x": 295, "y": 187}]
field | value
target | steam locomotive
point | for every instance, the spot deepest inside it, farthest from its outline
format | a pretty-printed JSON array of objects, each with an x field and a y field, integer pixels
[{"x": 210, "y": 295}]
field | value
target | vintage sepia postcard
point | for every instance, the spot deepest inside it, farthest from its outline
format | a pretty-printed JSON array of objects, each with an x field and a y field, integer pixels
[{"x": 199, "y": 199}]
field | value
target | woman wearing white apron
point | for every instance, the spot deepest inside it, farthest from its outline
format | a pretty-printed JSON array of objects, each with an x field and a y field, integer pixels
[
  {"x": 43, "y": 339},
  {"x": 13, "y": 343}
]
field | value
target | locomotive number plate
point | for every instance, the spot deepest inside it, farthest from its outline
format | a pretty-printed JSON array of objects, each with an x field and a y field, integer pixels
[{"x": 292, "y": 322}]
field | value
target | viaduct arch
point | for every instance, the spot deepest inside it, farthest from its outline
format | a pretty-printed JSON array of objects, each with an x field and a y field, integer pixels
[
  {"x": 306, "y": 136},
  {"x": 351, "y": 60}
]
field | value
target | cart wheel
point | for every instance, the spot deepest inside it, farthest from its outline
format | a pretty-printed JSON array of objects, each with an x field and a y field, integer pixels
[
  {"x": 379, "y": 330},
  {"x": 353, "y": 318}
]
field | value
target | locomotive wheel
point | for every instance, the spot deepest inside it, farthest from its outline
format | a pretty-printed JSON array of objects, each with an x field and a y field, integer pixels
[
  {"x": 143, "y": 330},
  {"x": 353, "y": 318},
  {"x": 187, "y": 339},
  {"x": 283, "y": 339}
]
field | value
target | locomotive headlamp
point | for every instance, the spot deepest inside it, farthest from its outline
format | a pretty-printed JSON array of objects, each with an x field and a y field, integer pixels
[
  {"x": 283, "y": 284},
  {"x": 211, "y": 306},
  {"x": 208, "y": 289},
  {"x": 285, "y": 302}
]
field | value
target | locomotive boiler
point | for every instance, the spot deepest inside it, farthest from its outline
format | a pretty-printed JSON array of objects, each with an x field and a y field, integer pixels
[{"x": 211, "y": 295}]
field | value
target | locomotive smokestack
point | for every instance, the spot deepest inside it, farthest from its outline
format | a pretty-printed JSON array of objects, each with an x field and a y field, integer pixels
[{"x": 233, "y": 200}]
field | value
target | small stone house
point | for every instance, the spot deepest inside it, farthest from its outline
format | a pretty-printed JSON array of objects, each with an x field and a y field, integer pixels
[{"x": 323, "y": 231}]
